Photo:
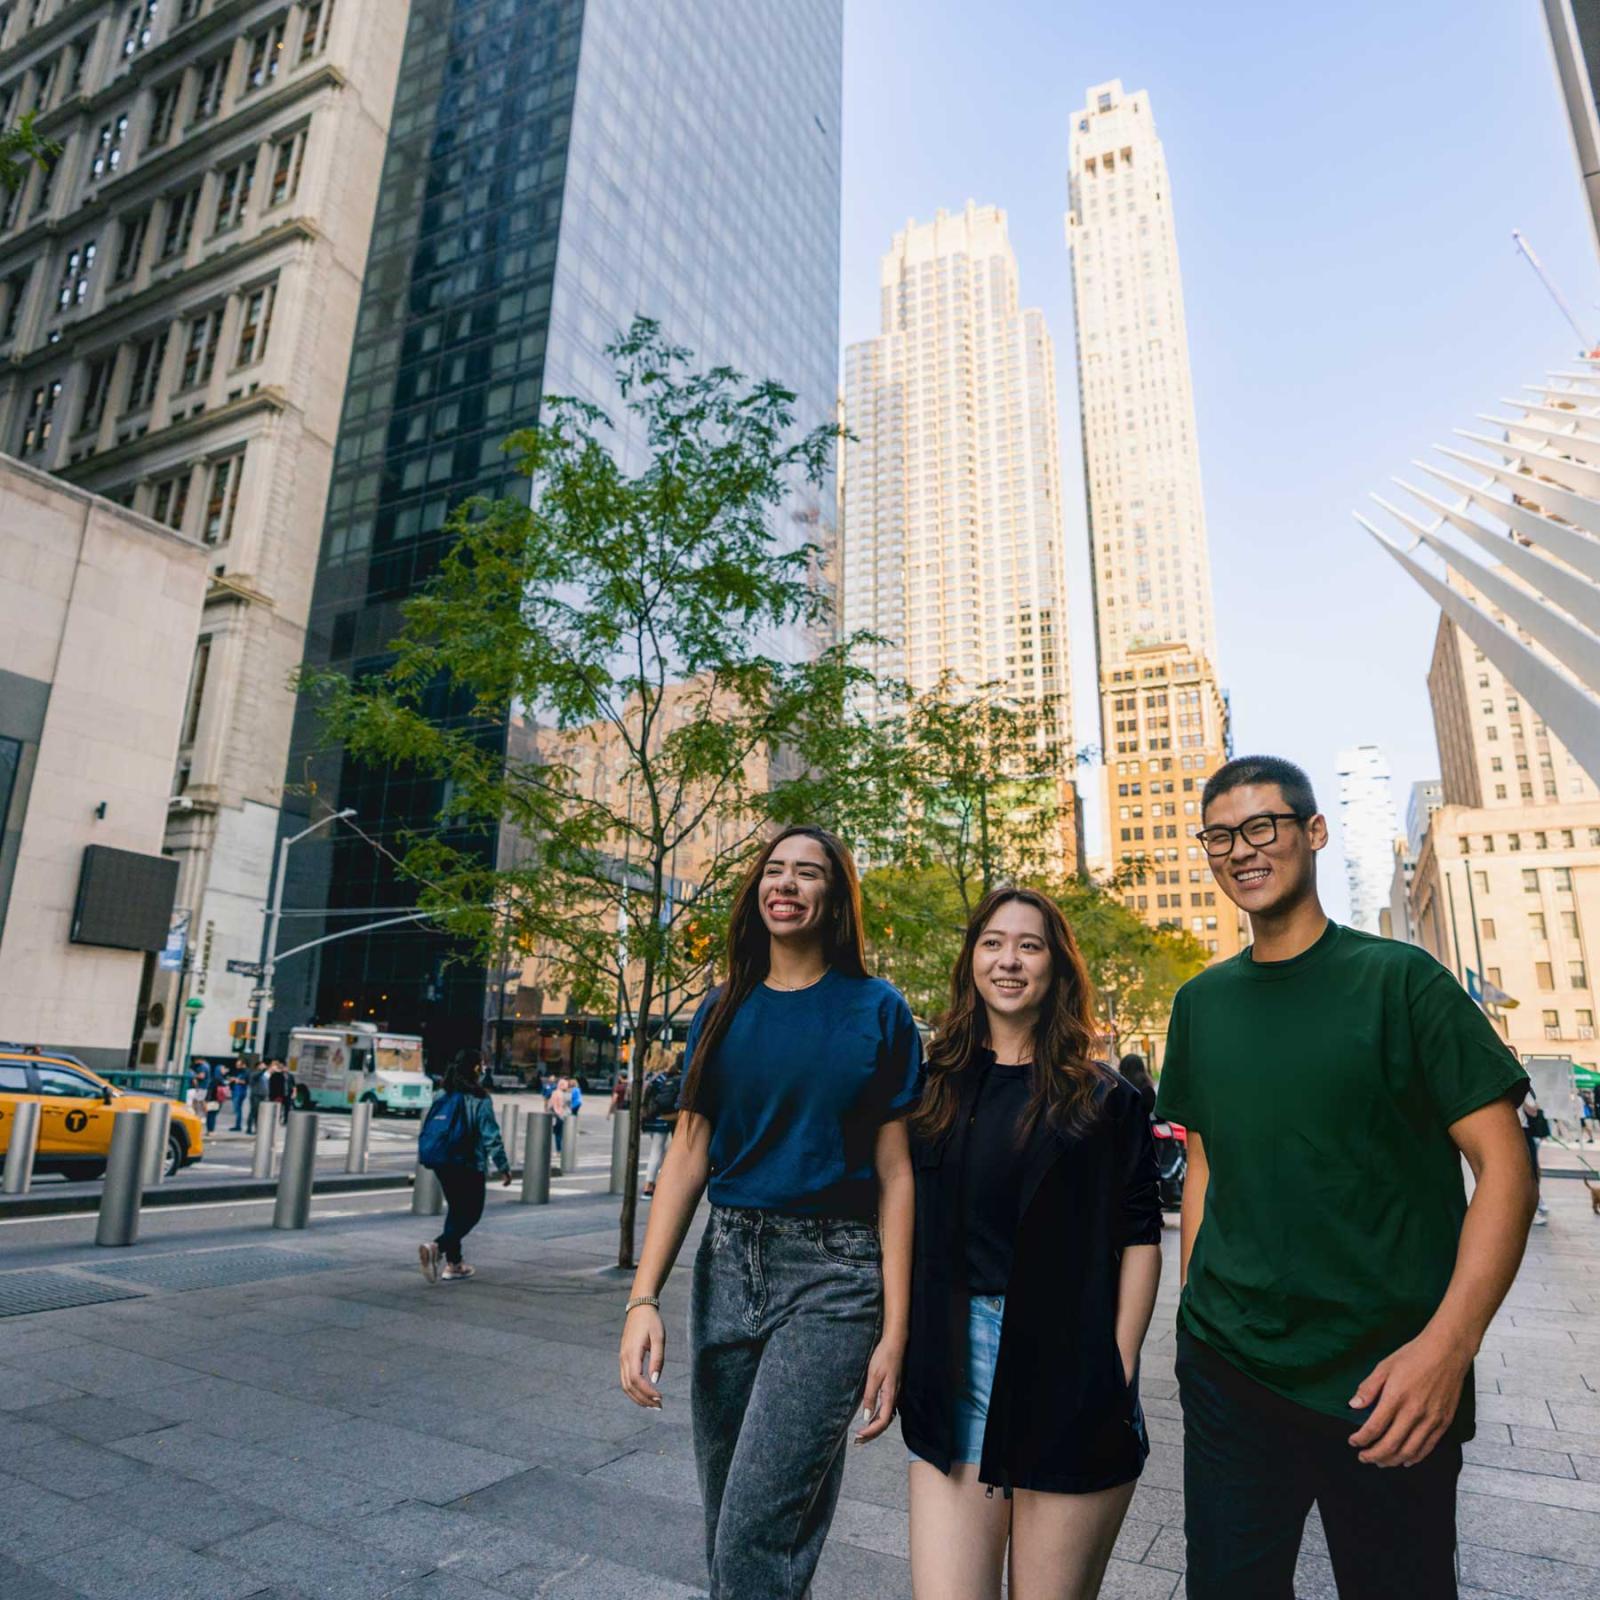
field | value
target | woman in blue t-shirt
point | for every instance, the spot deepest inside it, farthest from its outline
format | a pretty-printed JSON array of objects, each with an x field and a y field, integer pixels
[{"x": 797, "y": 1075}]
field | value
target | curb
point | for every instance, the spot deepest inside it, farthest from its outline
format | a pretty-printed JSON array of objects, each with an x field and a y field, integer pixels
[{"x": 174, "y": 1194}]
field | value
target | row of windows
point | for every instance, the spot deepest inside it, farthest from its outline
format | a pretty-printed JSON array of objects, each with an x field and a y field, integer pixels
[
  {"x": 1540, "y": 839},
  {"x": 200, "y": 340},
  {"x": 222, "y": 197}
]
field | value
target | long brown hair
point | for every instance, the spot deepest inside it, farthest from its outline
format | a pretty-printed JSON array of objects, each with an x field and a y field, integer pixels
[
  {"x": 1067, "y": 1077},
  {"x": 750, "y": 944}
]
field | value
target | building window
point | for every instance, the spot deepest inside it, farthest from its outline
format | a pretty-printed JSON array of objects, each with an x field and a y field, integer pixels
[
  {"x": 222, "y": 498},
  {"x": 1577, "y": 975},
  {"x": 208, "y": 96},
  {"x": 15, "y": 290},
  {"x": 200, "y": 348},
  {"x": 255, "y": 323},
  {"x": 233, "y": 195},
  {"x": 266, "y": 51},
  {"x": 96, "y": 384},
  {"x": 1585, "y": 1021},
  {"x": 138, "y": 26},
  {"x": 1544, "y": 975},
  {"x": 1552, "y": 1024},
  {"x": 47, "y": 180},
  {"x": 40, "y": 421},
  {"x": 1569, "y": 924},
  {"x": 108, "y": 147},
  {"x": 179, "y": 223},
  {"x": 76, "y": 271},
  {"x": 1563, "y": 877},
  {"x": 163, "y": 113},
  {"x": 318, "y": 22},
  {"x": 1530, "y": 880},
  {"x": 1513, "y": 841},
  {"x": 288, "y": 156},
  {"x": 171, "y": 501},
  {"x": 1480, "y": 881},
  {"x": 197, "y": 689},
  {"x": 78, "y": 62},
  {"x": 188, "y": 10},
  {"x": 130, "y": 246},
  {"x": 1488, "y": 927},
  {"x": 1536, "y": 924},
  {"x": 145, "y": 374}
]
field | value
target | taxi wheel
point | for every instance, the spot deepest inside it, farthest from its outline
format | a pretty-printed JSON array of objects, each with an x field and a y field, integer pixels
[{"x": 175, "y": 1153}]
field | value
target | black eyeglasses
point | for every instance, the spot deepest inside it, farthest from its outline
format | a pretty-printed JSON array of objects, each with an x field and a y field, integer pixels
[{"x": 1257, "y": 830}]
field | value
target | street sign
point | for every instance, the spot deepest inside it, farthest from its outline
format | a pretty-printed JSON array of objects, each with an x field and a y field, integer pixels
[{"x": 245, "y": 969}]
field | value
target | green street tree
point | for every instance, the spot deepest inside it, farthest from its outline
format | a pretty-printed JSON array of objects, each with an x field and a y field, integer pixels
[
  {"x": 639, "y": 633},
  {"x": 988, "y": 801},
  {"x": 21, "y": 148}
]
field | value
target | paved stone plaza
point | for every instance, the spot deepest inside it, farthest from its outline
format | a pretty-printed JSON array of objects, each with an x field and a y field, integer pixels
[{"x": 300, "y": 1415}]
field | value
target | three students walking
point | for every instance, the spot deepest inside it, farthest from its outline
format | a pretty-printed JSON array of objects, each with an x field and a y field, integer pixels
[{"x": 977, "y": 1241}]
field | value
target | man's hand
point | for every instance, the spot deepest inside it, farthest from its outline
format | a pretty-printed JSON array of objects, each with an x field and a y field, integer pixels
[
  {"x": 1414, "y": 1394},
  {"x": 883, "y": 1389}
]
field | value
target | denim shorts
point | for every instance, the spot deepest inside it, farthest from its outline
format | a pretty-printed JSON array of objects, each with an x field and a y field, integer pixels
[{"x": 984, "y": 1315}]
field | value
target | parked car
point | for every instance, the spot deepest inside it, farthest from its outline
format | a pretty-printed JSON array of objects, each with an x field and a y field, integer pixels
[
  {"x": 1172, "y": 1161},
  {"x": 77, "y": 1110}
]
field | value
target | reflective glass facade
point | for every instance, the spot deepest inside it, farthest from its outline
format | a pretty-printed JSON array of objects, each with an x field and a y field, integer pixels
[{"x": 554, "y": 167}]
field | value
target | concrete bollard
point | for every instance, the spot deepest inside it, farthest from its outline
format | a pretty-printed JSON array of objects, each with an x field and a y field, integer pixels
[
  {"x": 124, "y": 1186},
  {"x": 427, "y": 1198},
  {"x": 266, "y": 1133},
  {"x": 292, "y": 1209},
  {"x": 619, "y": 1150},
  {"x": 355, "y": 1158},
  {"x": 157, "y": 1126},
  {"x": 22, "y": 1146},
  {"x": 569, "y": 1146},
  {"x": 509, "y": 1131},
  {"x": 536, "y": 1159}
]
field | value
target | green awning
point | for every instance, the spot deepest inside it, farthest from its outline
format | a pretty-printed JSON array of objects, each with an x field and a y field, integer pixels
[{"x": 1586, "y": 1078}]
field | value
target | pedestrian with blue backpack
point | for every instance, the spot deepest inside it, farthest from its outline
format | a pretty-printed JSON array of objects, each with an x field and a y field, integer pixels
[{"x": 459, "y": 1142}]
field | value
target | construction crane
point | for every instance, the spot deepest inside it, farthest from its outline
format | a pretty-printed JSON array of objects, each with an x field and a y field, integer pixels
[{"x": 1587, "y": 344}]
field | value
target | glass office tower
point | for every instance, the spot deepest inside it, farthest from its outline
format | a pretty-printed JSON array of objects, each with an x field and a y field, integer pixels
[{"x": 554, "y": 167}]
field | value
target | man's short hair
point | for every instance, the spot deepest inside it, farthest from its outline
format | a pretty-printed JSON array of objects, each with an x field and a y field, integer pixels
[{"x": 1243, "y": 770}]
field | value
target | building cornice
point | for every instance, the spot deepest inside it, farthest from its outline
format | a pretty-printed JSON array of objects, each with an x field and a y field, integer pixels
[
  {"x": 90, "y": 330},
  {"x": 271, "y": 399}
]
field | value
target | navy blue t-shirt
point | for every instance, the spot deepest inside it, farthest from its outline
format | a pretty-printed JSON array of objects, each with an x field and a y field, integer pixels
[{"x": 798, "y": 1089}]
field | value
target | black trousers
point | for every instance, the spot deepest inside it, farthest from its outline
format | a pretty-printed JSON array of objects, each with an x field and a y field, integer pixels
[
  {"x": 1253, "y": 1466},
  {"x": 463, "y": 1201}
]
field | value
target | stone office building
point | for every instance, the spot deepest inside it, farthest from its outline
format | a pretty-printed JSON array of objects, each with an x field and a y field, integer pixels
[{"x": 178, "y": 296}]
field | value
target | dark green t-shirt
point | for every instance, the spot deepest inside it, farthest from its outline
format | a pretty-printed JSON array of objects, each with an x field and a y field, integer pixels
[{"x": 1323, "y": 1087}]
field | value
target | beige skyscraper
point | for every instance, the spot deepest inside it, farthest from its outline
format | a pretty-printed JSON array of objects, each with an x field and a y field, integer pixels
[
  {"x": 1147, "y": 528},
  {"x": 950, "y": 488},
  {"x": 178, "y": 298}
]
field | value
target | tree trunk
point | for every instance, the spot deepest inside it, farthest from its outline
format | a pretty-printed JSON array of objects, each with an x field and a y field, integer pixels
[{"x": 630, "y": 1182}]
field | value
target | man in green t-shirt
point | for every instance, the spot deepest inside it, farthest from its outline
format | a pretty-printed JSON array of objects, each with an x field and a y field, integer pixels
[{"x": 1336, "y": 1284}]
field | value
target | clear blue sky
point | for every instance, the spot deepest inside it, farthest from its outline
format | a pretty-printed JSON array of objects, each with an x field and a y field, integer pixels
[{"x": 1346, "y": 180}]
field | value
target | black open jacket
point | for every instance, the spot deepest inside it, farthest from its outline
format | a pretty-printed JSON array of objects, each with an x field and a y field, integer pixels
[{"x": 1061, "y": 1417}]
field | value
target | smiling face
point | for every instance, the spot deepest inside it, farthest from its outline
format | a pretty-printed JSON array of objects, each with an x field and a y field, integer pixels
[
  {"x": 1265, "y": 880},
  {"x": 794, "y": 889},
  {"x": 1011, "y": 965}
]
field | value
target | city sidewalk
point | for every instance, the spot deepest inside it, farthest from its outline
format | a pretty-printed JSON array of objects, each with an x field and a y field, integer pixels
[{"x": 301, "y": 1415}]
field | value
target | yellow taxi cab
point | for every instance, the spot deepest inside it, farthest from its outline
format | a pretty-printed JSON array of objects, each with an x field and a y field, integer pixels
[{"x": 77, "y": 1109}]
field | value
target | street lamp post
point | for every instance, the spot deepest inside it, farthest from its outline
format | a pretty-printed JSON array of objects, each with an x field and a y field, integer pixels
[{"x": 263, "y": 994}]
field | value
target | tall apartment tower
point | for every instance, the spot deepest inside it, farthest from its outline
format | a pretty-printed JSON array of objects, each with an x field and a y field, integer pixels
[
  {"x": 1147, "y": 528},
  {"x": 950, "y": 520},
  {"x": 1506, "y": 891},
  {"x": 178, "y": 296},
  {"x": 1369, "y": 825},
  {"x": 557, "y": 167}
]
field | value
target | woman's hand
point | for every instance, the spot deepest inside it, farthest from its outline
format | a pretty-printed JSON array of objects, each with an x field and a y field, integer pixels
[
  {"x": 883, "y": 1388},
  {"x": 644, "y": 1350}
]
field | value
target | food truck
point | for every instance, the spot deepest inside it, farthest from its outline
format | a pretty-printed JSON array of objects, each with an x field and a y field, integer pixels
[{"x": 338, "y": 1066}]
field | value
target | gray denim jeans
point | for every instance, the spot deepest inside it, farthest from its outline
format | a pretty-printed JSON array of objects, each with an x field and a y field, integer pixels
[{"x": 784, "y": 1315}]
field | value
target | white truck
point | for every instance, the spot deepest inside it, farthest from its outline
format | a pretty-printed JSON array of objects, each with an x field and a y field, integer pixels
[{"x": 337, "y": 1066}]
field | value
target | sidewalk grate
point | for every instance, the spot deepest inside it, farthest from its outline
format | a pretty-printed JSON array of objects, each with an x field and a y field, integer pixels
[
  {"x": 39, "y": 1289},
  {"x": 217, "y": 1269}
]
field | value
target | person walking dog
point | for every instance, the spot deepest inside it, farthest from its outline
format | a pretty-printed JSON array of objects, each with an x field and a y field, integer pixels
[{"x": 460, "y": 1142}]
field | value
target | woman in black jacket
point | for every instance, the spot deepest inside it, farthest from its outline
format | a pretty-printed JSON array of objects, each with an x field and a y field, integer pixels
[{"x": 1034, "y": 1273}]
